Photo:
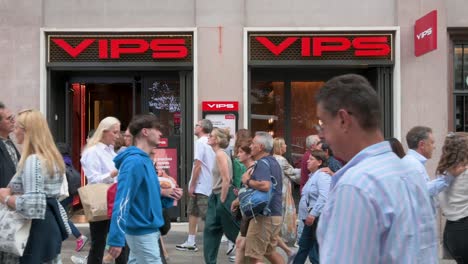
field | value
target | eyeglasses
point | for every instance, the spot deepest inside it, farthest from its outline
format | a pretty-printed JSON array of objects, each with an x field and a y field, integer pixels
[{"x": 11, "y": 118}]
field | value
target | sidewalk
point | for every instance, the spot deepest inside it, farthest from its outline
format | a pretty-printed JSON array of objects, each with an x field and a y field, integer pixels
[{"x": 177, "y": 235}]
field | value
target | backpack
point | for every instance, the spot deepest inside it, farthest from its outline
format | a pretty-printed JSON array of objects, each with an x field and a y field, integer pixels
[
  {"x": 238, "y": 170},
  {"x": 73, "y": 178},
  {"x": 254, "y": 202}
]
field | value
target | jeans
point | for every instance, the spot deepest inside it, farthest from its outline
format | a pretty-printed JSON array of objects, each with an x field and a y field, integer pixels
[
  {"x": 144, "y": 248},
  {"x": 308, "y": 245}
]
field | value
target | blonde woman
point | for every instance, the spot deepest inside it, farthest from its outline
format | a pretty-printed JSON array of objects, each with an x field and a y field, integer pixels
[
  {"x": 454, "y": 200},
  {"x": 34, "y": 190},
  {"x": 97, "y": 162},
  {"x": 289, "y": 174},
  {"x": 218, "y": 217}
]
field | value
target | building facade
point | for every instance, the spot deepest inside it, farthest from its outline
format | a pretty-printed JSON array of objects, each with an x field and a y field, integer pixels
[{"x": 79, "y": 61}]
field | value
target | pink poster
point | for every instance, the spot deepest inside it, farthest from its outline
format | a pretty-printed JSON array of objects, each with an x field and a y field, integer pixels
[{"x": 165, "y": 162}]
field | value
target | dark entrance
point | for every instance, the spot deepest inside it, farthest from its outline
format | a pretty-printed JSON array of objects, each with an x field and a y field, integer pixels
[{"x": 78, "y": 100}]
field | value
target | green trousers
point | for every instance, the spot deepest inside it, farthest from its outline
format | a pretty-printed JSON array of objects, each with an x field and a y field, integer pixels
[{"x": 219, "y": 221}]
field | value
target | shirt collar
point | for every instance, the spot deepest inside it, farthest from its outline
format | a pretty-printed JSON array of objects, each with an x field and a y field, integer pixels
[
  {"x": 418, "y": 156},
  {"x": 104, "y": 146},
  {"x": 370, "y": 151}
]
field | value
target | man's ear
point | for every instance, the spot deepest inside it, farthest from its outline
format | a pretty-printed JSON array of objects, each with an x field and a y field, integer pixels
[{"x": 345, "y": 119}]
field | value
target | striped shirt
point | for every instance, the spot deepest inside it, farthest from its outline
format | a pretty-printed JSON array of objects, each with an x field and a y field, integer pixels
[{"x": 377, "y": 212}]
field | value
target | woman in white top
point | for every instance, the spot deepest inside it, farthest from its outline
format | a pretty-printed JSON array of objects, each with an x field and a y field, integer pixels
[
  {"x": 97, "y": 162},
  {"x": 454, "y": 200}
]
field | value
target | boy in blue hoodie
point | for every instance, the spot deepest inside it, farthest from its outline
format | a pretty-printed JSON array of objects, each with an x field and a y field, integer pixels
[{"x": 137, "y": 214}]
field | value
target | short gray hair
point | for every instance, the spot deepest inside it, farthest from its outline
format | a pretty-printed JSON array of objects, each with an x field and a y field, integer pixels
[
  {"x": 206, "y": 126},
  {"x": 312, "y": 140},
  {"x": 416, "y": 134},
  {"x": 266, "y": 140}
]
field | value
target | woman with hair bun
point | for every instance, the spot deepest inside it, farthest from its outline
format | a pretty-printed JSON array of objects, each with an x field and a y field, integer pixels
[
  {"x": 219, "y": 219},
  {"x": 454, "y": 199}
]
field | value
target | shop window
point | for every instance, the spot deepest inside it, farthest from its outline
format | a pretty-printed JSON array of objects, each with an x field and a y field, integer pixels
[
  {"x": 285, "y": 109},
  {"x": 461, "y": 86}
]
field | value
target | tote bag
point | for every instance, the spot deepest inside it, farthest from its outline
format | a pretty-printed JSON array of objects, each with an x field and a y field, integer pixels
[
  {"x": 94, "y": 200},
  {"x": 14, "y": 231}
]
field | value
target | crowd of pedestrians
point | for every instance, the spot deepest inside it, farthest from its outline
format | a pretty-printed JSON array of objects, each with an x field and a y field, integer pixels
[{"x": 362, "y": 198}]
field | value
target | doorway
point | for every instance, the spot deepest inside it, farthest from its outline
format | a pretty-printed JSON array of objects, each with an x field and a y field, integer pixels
[
  {"x": 282, "y": 101},
  {"x": 80, "y": 100}
]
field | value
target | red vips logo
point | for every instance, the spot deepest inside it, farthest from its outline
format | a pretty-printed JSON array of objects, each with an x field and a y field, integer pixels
[
  {"x": 318, "y": 46},
  {"x": 425, "y": 34},
  {"x": 161, "y": 48}
]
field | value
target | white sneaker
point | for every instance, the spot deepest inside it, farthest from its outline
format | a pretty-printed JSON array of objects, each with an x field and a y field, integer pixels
[
  {"x": 232, "y": 258},
  {"x": 187, "y": 247},
  {"x": 231, "y": 248},
  {"x": 79, "y": 260}
]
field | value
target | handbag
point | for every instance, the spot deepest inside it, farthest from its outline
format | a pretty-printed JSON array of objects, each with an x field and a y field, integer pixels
[
  {"x": 14, "y": 231},
  {"x": 94, "y": 200},
  {"x": 111, "y": 192},
  {"x": 254, "y": 202}
]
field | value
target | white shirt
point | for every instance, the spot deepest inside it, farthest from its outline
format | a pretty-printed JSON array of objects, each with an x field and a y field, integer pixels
[
  {"x": 205, "y": 154},
  {"x": 98, "y": 162},
  {"x": 454, "y": 200}
]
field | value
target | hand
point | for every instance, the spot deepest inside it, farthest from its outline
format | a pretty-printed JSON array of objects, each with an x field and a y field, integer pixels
[
  {"x": 245, "y": 177},
  {"x": 327, "y": 171},
  {"x": 177, "y": 193},
  {"x": 191, "y": 191},
  {"x": 457, "y": 169},
  {"x": 309, "y": 220},
  {"x": 235, "y": 205},
  {"x": 174, "y": 193},
  {"x": 115, "y": 251},
  {"x": 4, "y": 192},
  {"x": 114, "y": 173}
]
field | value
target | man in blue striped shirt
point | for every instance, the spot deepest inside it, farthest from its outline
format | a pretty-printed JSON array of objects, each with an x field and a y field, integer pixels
[{"x": 377, "y": 211}]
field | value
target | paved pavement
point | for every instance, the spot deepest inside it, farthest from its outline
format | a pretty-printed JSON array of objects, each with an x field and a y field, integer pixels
[{"x": 177, "y": 235}]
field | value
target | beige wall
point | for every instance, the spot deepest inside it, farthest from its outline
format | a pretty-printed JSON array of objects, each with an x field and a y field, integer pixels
[
  {"x": 424, "y": 88},
  {"x": 220, "y": 27}
]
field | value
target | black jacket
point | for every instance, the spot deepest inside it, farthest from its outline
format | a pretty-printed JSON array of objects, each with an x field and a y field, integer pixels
[{"x": 7, "y": 167}]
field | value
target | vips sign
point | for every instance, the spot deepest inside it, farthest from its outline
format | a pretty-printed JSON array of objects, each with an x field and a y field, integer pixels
[
  {"x": 425, "y": 34},
  {"x": 116, "y": 48},
  {"x": 223, "y": 114},
  {"x": 312, "y": 47}
]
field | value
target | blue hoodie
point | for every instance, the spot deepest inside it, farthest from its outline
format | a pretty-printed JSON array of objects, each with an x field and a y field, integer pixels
[{"x": 138, "y": 202}]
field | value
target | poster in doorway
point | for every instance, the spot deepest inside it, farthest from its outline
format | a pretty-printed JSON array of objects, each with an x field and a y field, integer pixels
[
  {"x": 165, "y": 162},
  {"x": 224, "y": 121}
]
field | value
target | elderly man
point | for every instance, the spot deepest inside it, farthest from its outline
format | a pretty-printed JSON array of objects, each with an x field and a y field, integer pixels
[
  {"x": 263, "y": 231},
  {"x": 312, "y": 143},
  {"x": 377, "y": 212},
  {"x": 9, "y": 155}
]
